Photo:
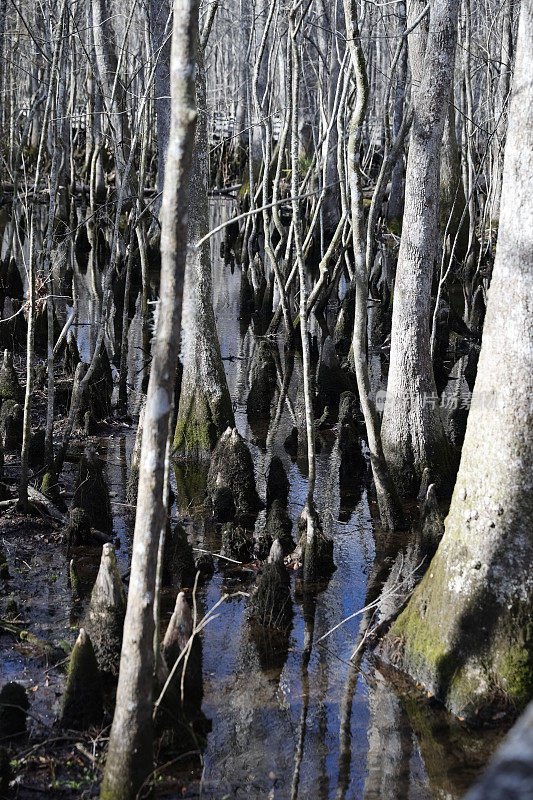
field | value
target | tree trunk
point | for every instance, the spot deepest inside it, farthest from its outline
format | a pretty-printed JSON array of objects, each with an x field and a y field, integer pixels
[
  {"x": 129, "y": 759},
  {"x": 389, "y": 506},
  {"x": 412, "y": 431},
  {"x": 466, "y": 633},
  {"x": 205, "y": 409},
  {"x": 395, "y": 206},
  {"x": 160, "y": 29},
  {"x": 112, "y": 86},
  {"x": 454, "y": 221}
]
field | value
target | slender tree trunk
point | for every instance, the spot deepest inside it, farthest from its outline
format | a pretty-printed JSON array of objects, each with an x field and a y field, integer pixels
[
  {"x": 30, "y": 339},
  {"x": 412, "y": 431},
  {"x": 129, "y": 759},
  {"x": 160, "y": 33},
  {"x": 389, "y": 506},
  {"x": 112, "y": 85},
  {"x": 466, "y": 633},
  {"x": 395, "y": 206}
]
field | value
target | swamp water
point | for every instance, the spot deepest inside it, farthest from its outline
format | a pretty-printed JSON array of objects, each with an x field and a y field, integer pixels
[{"x": 288, "y": 717}]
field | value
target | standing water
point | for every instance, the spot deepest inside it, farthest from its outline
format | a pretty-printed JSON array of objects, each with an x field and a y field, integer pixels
[{"x": 285, "y": 716}]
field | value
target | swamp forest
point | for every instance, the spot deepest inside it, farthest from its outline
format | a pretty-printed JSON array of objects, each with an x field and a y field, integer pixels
[{"x": 266, "y": 399}]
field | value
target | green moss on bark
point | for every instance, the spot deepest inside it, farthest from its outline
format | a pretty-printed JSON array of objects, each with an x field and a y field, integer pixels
[{"x": 200, "y": 423}]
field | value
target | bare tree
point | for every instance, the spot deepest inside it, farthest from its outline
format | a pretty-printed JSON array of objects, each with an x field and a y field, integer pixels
[{"x": 129, "y": 759}]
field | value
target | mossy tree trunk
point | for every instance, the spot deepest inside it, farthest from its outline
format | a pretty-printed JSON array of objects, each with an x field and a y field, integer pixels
[
  {"x": 130, "y": 756},
  {"x": 466, "y": 633},
  {"x": 412, "y": 432},
  {"x": 205, "y": 409}
]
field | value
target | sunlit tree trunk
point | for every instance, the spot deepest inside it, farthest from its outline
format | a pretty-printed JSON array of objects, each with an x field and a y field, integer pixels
[
  {"x": 130, "y": 755},
  {"x": 205, "y": 409},
  {"x": 412, "y": 431},
  {"x": 466, "y": 633}
]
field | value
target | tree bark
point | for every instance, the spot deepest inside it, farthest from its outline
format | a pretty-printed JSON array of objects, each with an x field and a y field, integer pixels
[
  {"x": 205, "y": 409},
  {"x": 466, "y": 633},
  {"x": 412, "y": 431},
  {"x": 129, "y": 759},
  {"x": 160, "y": 30}
]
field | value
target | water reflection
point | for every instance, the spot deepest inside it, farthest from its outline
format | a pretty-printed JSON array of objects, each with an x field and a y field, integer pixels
[{"x": 291, "y": 716}]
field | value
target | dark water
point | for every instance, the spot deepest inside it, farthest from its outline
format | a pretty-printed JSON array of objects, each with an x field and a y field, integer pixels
[
  {"x": 301, "y": 722},
  {"x": 289, "y": 718}
]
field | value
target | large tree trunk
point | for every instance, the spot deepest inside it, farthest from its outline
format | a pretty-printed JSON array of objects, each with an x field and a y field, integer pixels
[
  {"x": 205, "y": 409},
  {"x": 412, "y": 431},
  {"x": 130, "y": 756},
  {"x": 466, "y": 633}
]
